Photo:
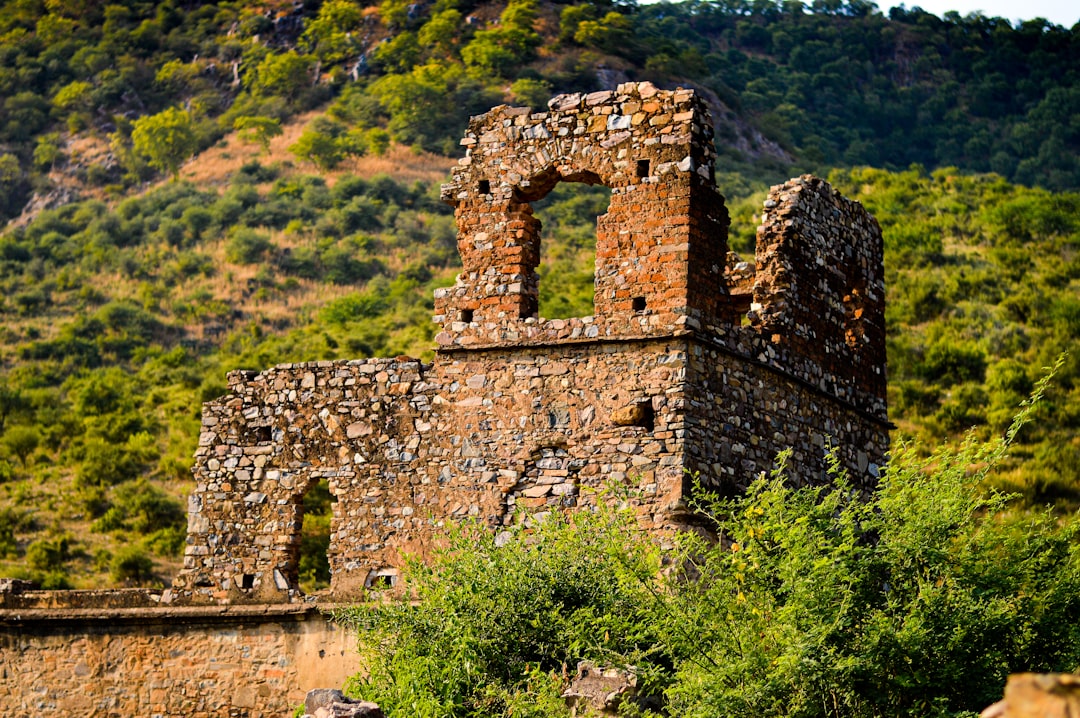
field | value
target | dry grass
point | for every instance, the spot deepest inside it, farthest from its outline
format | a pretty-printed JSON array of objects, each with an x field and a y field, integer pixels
[{"x": 213, "y": 167}]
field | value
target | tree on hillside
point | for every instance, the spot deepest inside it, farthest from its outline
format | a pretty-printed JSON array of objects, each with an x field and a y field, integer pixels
[
  {"x": 12, "y": 402},
  {"x": 333, "y": 36},
  {"x": 258, "y": 130},
  {"x": 166, "y": 139},
  {"x": 22, "y": 441}
]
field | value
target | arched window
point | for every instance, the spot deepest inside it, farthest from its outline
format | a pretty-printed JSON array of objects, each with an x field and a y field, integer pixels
[{"x": 568, "y": 248}]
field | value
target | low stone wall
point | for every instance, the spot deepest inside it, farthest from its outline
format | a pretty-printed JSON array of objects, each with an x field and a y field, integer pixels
[{"x": 236, "y": 661}]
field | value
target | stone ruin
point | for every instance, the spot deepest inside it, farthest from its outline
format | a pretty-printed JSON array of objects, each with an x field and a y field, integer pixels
[{"x": 692, "y": 363}]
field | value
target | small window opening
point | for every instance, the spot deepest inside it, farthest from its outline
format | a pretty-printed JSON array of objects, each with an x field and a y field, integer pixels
[
  {"x": 263, "y": 433},
  {"x": 643, "y": 168},
  {"x": 638, "y": 304},
  {"x": 568, "y": 215},
  {"x": 247, "y": 581},
  {"x": 639, "y": 414},
  {"x": 318, "y": 512},
  {"x": 648, "y": 421},
  {"x": 484, "y": 187},
  {"x": 465, "y": 315},
  {"x": 381, "y": 579}
]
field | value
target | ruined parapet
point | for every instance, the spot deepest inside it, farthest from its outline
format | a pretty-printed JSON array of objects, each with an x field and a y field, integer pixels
[
  {"x": 356, "y": 424},
  {"x": 693, "y": 362},
  {"x": 819, "y": 294},
  {"x": 660, "y": 248}
]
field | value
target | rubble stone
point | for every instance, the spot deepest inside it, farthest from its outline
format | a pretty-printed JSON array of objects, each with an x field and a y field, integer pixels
[
  {"x": 1038, "y": 695},
  {"x": 692, "y": 362},
  {"x": 599, "y": 690}
]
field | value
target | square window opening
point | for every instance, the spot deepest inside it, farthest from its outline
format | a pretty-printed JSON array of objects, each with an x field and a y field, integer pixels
[
  {"x": 643, "y": 168},
  {"x": 484, "y": 187},
  {"x": 638, "y": 304},
  {"x": 465, "y": 315}
]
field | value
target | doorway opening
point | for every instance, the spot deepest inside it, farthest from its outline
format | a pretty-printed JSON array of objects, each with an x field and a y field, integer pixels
[
  {"x": 568, "y": 248},
  {"x": 318, "y": 511}
]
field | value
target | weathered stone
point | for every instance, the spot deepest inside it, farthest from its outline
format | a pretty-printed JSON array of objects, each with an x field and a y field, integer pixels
[
  {"x": 692, "y": 359},
  {"x": 1035, "y": 695},
  {"x": 318, "y": 698},
  {"x": 595, "y": 689},
  {"x": 632, "y": 415}
]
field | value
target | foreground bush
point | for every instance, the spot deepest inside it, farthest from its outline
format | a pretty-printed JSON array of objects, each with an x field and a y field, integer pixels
[{"x": 917, "y": 600}]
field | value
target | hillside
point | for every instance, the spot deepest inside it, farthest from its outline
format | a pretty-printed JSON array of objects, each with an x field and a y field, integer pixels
[{"x": 125, "y": 303}]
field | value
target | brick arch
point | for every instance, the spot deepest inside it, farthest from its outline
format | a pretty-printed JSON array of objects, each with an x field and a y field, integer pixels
[
  {"x": 540, "y": 184},
  {"x": 661, "y": 247}
]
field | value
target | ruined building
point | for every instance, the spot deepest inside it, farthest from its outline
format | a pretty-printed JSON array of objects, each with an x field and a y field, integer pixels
[{"x": 691, "y": 362}]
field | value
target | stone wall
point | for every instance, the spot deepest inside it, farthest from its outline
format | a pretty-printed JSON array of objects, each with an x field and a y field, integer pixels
[
  {"x": 660, "y": 248},
  {"x": 237, "y": 661},
  {"x": 406, "y": 446},
  {"x": 692, "y": 362}
]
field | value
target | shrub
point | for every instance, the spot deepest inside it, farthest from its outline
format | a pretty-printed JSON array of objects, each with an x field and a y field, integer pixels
[
  {"x": 131, "y": 565},
  {"x": 141, "y": 507},
  {"x": 49, "y": 554},
  {"x": 246, "y": 246},
  {"x": 321, "y": 143},
  {"x": 499, "y": 614},
  {"x": 22, "y": 441},
  {"x": 917, "y": 600}
]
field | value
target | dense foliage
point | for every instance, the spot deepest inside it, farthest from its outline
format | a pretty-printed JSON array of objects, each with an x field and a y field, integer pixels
[
  {"x": 124, "y": 304},
  {"x": 806, "y": 85},
  {"x": 816, "y": 602}
]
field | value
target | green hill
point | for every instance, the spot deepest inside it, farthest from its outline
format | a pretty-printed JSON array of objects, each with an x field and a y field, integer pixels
[{"x": 124, "y": 303}]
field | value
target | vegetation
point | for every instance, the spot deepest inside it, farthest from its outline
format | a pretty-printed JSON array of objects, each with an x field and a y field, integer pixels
[
  {"x": 125, "y": 302},
  {"x": 794, "y": 85},
  {"x": 815, "y": 602}
]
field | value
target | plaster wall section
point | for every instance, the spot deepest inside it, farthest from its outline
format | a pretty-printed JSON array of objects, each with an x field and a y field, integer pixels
[
  {"x": 497, "y": 435},
  {"x": 198, "y": 662}
]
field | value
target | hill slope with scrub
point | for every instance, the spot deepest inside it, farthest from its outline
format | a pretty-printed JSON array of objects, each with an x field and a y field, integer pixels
[{"x": 308, "y": 225}]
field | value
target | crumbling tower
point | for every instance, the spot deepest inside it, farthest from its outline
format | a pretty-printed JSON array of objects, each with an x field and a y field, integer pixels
[{"x": 688, "y": 364}]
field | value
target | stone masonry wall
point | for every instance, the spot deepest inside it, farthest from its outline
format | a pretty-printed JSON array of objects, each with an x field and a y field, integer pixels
[
  {"x": 692, "y": 361},
  {"x": 406, "y": 446},
  {"x": 203, "y": 661},
  {"x": 660, "y": 248}
]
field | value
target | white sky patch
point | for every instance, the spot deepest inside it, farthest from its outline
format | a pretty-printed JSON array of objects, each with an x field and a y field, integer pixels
[{"x": 1060, "y": 12}]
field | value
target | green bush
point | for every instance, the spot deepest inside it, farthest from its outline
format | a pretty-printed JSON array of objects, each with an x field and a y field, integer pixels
[
  {"x": 917, "y": 600},
  {"x": 22, "y": 441},
  {"x": 498, "y": 614},
  {"x": 49, "y": 555},
  {"x": 131, "y": 565},
  {"x": 246, "y": 246},
  {"x": 141, "y": 507},
  {"x": 13, "y": 520}
]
